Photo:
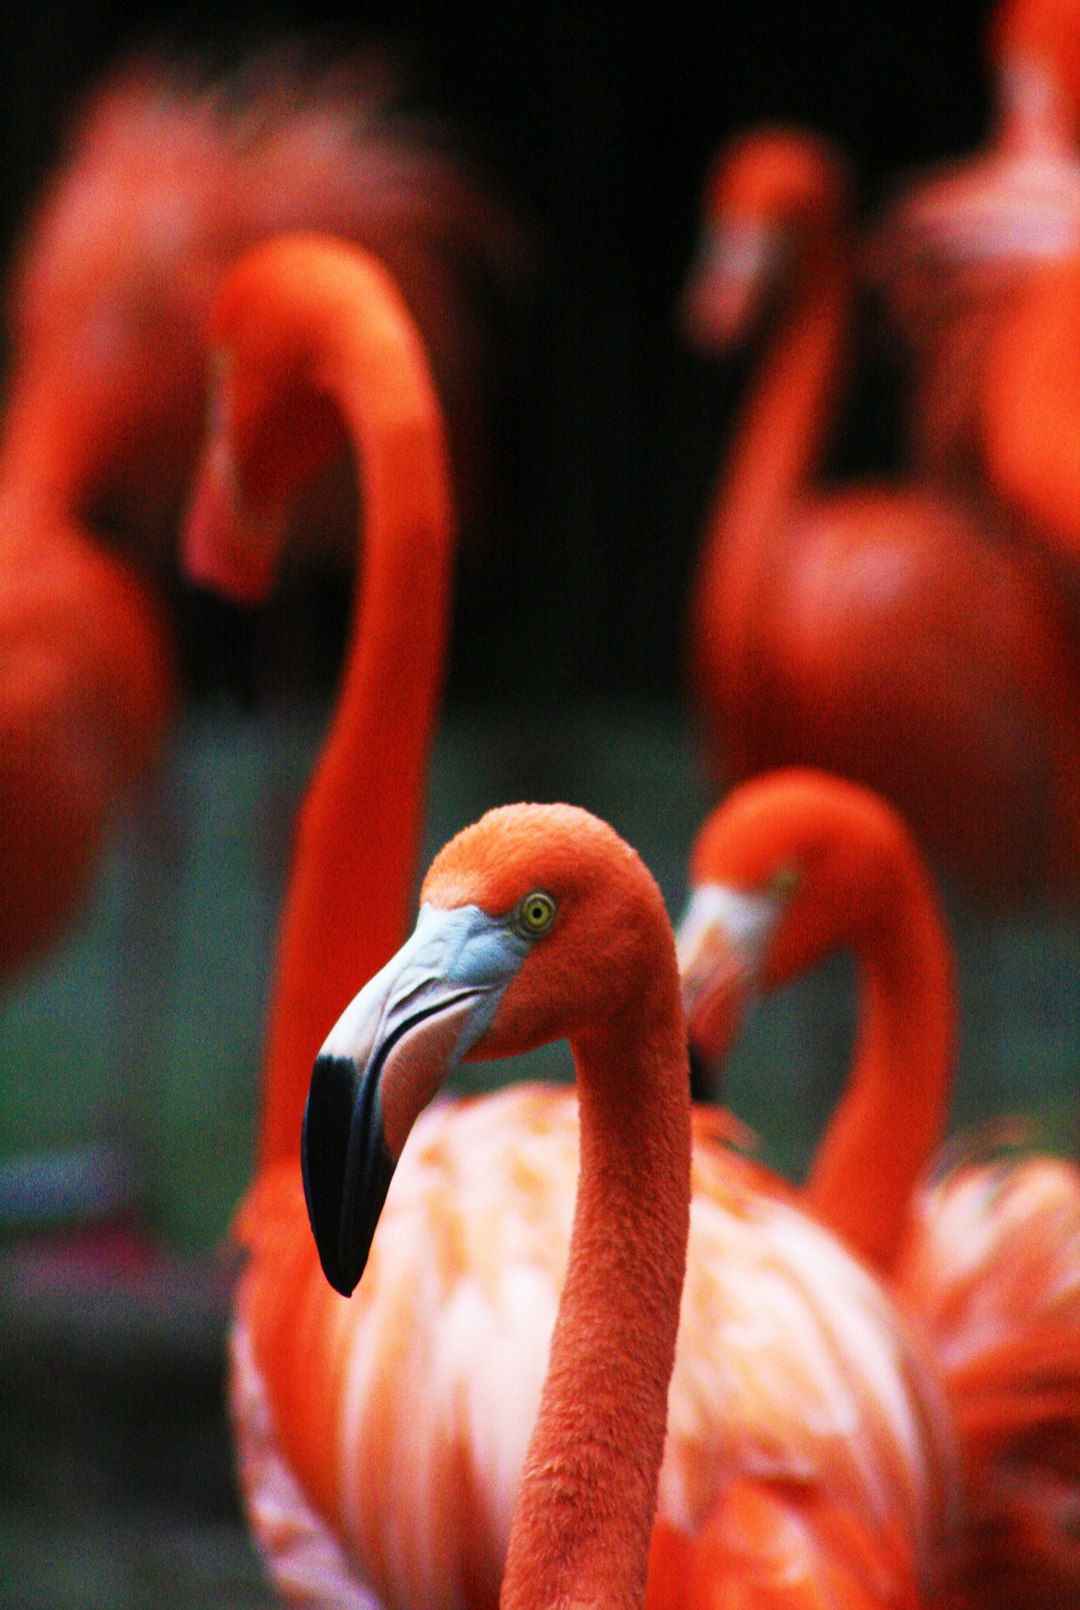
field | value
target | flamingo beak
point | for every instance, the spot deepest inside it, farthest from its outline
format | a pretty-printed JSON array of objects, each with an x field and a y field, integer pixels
[
  {"x": 722, "y": 942},
  {"x": 225, "y": 546},
  {"x": 735, "y": 265},
  {"x": 384, "y": 1060}
]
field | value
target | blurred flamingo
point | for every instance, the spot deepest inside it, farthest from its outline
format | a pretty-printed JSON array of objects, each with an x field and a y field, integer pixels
[
  {"x": 874, "y": 630},
  {"x": 168, "y": 177},
  {"x": 986, "y": 1251},
  {"x": 539, "y": 922},
  {"x": 979, "y": 266},
  {"x": 955, "y": 246},
  {"x": 381, "y": 1441}
]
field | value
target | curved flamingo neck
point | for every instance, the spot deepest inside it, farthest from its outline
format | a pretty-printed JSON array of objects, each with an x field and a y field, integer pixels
[
  {"x": 584, "y": 1517},
  {"x": 350, "y": 890},
  {"x": 778, "y": 445},
  {"x": 893, "y": 1113}
]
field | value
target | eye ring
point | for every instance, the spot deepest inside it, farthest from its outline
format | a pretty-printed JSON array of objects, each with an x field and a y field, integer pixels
[{"x": 534, "y": 914}]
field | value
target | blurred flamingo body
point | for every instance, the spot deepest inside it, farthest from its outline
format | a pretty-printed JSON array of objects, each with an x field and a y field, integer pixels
[
  {"x": 748, "y": 1490},
  {"x": 382, "y": 1440},
  {"x": 987, "y": 1252},
  {"x": 169, "y": 177},
  {"x": 874, "y": 631},
  {"x": 952, "y": 251},
  {"x": 979, "y": 266}
]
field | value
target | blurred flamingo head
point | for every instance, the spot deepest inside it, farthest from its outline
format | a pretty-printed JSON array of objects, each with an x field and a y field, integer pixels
[
  {"x": 771, "y": 192},
  {"x": 271, "y": 427},
  {"x": 788, "y": 869}
]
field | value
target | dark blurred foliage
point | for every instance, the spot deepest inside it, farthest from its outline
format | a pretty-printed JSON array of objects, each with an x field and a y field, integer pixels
[{"x": 598, "y": 121}]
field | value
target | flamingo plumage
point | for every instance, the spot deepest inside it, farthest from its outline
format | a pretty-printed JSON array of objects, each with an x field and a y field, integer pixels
[
  {"x": 984, "y": 1249},
  {"x": 539, "y": 922},
  {"x": 169, "y": 175},
  {"x": 874, "y": 630},
  {"x": 381, "y": 1441}
]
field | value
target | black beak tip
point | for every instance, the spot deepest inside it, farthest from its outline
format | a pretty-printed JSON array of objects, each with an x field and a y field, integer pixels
[{"x": 346, "y": 1167}]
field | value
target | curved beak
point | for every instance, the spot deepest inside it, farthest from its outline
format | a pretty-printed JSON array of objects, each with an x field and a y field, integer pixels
[
  {"x": 722, "y": 941},
  {"x": 224, "y": 546},
  {"x": 384, "y": 1060},
  {"x": 727, "y": 282}
]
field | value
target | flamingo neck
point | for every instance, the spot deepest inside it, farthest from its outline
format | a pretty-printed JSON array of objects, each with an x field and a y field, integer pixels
[
  {"x": 893, "y": 1114},
  {"x": 358, "y": 832},
  {"x": 778, "y": 445},
  {"x": 1032, "y": 116},
  {"x": 583, "y": 1523}
]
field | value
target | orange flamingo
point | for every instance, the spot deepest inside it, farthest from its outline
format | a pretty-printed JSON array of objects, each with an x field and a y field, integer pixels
[
  {"x": 874, "y": 631},
  {"x": 987, "y": 1254},
  {"x": 535, "y": 923},
  {"x": 381, "y": 1441},
  {"x": 953, "y": 250},
  {"x": 168, "y": 178}
]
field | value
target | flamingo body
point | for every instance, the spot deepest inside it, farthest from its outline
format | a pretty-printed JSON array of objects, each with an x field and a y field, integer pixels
[
  {"x": 977, "y": 262},
  {"x": 426, "y": 1384}
]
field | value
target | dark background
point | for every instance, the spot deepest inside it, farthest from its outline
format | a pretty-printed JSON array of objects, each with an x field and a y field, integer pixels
[{"x": 598, "y": 122}]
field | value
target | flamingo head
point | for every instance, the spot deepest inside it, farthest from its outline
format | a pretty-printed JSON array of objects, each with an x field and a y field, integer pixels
[
  {"x": 770, "y": 194},
  {"x": 536, "y": 923},
  {"x": 271, "y": 424},
  {"x": 792, "y": 866}
]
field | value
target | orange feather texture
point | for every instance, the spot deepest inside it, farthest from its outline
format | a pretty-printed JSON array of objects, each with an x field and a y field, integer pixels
[
  {"x": 876, "y": 631},
  {"x": 169, "y": 174},
  {"x": 985, "y": 1251},
  {"x": 798, "y": 1408}
]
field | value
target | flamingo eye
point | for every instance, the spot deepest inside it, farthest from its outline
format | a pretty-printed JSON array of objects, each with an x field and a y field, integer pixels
[{"x": 534, "y": 915}]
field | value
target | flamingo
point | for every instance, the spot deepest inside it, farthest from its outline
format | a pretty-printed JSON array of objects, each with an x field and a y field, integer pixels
[
  {"x": 979, "y": 266},
  {"x": 168, "y": 176},
  {"x": 983, "y": 1249},
  {"x": 953, "y": 250},
  {"x": 873, "y": 630},
  {"x": 381, "y": 1441},
  {"x": 538, "y": 922}
]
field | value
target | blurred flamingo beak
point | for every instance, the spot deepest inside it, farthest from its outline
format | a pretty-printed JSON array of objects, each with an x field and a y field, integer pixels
[
  {"x": 722, "y": 940},
  {"x": 727, "y": 283}
]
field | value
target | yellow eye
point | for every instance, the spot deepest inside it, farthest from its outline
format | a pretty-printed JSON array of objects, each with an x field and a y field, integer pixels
[{"x": 535, "y": 914}]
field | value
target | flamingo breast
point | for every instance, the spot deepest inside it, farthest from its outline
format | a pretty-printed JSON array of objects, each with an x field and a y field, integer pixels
[{"x": 418, "y": 1395}]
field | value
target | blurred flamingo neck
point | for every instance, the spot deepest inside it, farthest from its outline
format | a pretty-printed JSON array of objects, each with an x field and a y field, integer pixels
[
  {"x": 778, "y": 445},
  {"x": 584, "y": 1518},
  {"x": 893, "y": 1114},
  {"x": 1032, "y": 117},
  {"x": 351, "y": 887}
]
